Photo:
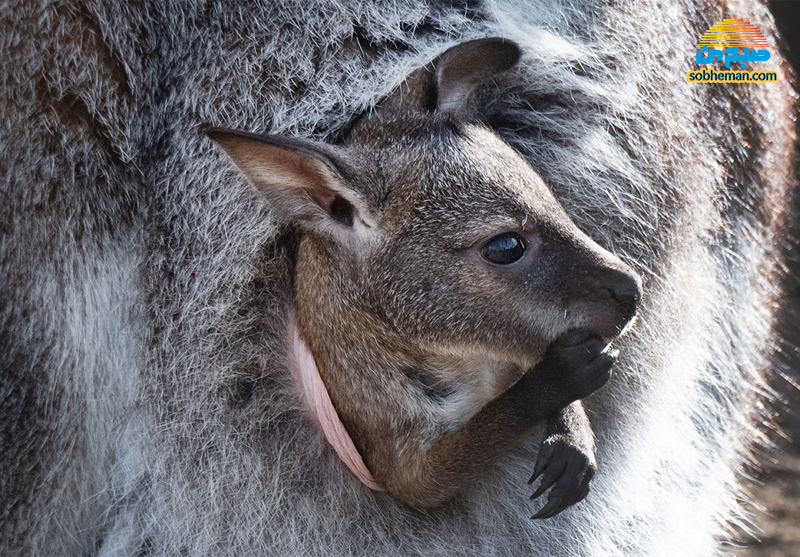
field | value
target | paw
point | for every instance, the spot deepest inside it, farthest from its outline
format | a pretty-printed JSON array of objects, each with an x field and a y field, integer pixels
[
  {"x": 579, "y": 359},
  {"x": 568, "y": 470}
]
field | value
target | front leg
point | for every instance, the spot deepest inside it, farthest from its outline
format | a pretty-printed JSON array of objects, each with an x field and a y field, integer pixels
[
  {"x": 566, "y": 460},
  {"x": 573, "y": 367}
]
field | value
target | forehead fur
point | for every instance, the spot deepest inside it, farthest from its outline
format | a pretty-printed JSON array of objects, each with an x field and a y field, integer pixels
[{"x": 436, "y": 165}]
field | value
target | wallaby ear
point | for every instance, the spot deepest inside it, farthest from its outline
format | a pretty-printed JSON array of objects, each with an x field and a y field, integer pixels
[
  {"x": 448, "y": 82},
  {"x": 467, "y": 66},
  {"x": 299, "y": 176}
]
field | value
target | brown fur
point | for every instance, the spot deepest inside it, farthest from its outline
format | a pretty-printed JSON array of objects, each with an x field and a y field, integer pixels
[{"x": 393, "y": 288}]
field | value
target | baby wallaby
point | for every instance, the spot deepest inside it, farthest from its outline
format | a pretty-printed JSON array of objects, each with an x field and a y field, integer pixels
[{"x": 448, "y": 301}]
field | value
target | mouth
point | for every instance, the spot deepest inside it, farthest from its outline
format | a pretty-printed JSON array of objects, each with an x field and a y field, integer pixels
[
  {"x": 619, "y": 331},
  {"x": 609, "y": 349},
  {"x": 609, "y": 323},
  {"x": 628, "y": 326}
]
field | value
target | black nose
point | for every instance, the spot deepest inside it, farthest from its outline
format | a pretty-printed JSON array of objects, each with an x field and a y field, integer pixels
[{"x": 626, "y": 290}]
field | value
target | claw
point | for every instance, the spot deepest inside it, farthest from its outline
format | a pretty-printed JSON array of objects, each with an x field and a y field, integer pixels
[
  {"x": 537, "y": 493},
  {"x": 541, "y": 464},
  {"x": 552, "y": 508},
  {"x": 554, "y": 468},
  {"x": 544, "y": 486}
]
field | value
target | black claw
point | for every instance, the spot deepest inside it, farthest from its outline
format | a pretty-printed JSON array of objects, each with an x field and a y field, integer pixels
[
  {"x": 539, "y": 490},
  {"x": 567, "y": 473},
  {"x": 541, "y": 464},
  {"x": 553, "y": 471},
  {"x": 544, "y": 486},
  {"x": 552, "y": 508},
  {"x": 547, "y": 482}
]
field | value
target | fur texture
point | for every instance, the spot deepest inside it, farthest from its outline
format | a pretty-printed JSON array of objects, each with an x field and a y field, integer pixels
[{"x": 146, "y": 407}]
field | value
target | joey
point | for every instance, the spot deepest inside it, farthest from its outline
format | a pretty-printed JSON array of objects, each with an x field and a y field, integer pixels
[{"x": 442, "y": 294}]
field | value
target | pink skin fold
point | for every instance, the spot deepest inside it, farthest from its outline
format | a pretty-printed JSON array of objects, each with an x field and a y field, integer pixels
[{"x": 319, "y": 403}]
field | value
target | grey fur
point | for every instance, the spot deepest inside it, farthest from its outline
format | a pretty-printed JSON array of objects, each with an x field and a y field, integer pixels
[{"x": 145, "y": 402}]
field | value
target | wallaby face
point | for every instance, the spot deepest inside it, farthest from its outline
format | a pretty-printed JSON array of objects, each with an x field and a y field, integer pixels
[
  {"x": 435, "y": 266},
  {"x": 476, "y": 252}
]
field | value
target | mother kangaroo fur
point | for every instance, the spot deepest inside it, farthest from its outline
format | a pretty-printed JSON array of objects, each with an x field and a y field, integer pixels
[{"x": 146, "y": 404}]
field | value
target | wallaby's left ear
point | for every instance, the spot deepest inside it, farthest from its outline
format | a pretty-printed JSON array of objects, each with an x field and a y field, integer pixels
[
  {"x": 300, "y": 177},
  {"x": 467, "y": 66}
]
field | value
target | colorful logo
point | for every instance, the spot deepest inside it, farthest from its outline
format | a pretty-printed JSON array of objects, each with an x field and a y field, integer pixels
[{"x": 731, "y": 41}]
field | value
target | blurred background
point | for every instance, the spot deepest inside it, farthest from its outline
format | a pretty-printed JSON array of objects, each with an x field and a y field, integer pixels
[{"x": 777, "y": 495}]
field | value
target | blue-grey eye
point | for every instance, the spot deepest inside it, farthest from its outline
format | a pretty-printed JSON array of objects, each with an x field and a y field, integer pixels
[{"x": 504, "y": 249}]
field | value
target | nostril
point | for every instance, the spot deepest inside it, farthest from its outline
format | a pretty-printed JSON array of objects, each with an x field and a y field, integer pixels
[
  {"x": 627, "y": 292},
  {"x": 625, "y": 300}
]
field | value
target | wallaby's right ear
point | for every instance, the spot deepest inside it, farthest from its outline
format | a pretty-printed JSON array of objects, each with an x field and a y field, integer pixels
[
  {"x": 449, "y": 82},
  {"x": 463, "y": 69},
  {"x": 299, "y": 176}
]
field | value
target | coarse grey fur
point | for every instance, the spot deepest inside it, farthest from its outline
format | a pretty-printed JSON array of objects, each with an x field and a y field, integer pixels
[
  {"x": 145, "y": 403},
  {"x": 449, "y": 302}
]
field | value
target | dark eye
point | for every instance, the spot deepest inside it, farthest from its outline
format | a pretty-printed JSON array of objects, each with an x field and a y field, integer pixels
[{"x": 504, "y": 249}]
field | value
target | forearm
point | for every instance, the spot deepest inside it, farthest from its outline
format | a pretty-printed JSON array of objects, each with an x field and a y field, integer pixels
[
  {"x": 572, "y": 424},
  {"x": 546, "y": 392}
]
